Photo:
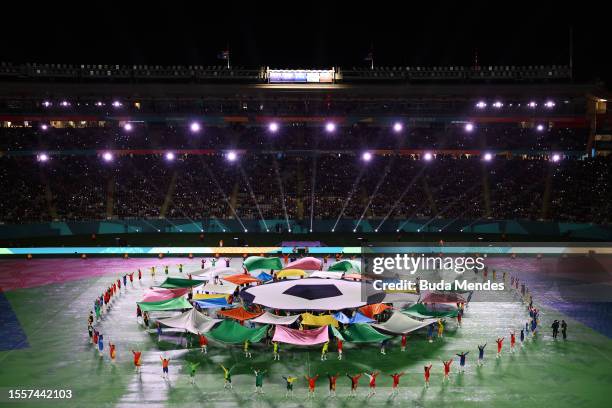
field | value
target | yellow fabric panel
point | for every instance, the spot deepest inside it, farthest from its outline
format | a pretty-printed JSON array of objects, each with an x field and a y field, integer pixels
[
  {"x": 312, "y": 320},
  {"x": 290, "y": 272}
]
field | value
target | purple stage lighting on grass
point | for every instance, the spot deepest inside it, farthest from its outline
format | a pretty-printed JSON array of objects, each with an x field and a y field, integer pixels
[
  {"x": 42, "y": 157},
  {"x": 170, "y": 156},
  {"x": 273, "y": 127},
  {"x": 330, "y": 127},
  {"x": 428, "y": 156},
  {"x": 107, "y": 156},
  {"x": 231, "y": 156},
  {"x": 366, "y": 156},
  {"x": 469, "y": 127},
  {"x": 195, "y": 127},
  {"x": 398, "y": 127}
]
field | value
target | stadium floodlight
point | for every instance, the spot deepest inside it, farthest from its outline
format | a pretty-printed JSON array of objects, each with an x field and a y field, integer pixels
[
  {"x": 540, "y": 127},
  {"x": 195, "y": 127},
  {"x": 64, "y": 103},
  {"x": 99, "y": 103},
  {"x": 246, "y": 230},
  {"x": 107, "y": 156},
  {"x": 481, "y": 105},
  {"x": 44, "y": 126},
  {"x": 398, "y": 127},
  {"x": 170, "y": 156},
  {"x": 469, "y": 127},
  {"x": 532, "y": 104},
  {"x": 117, "y": 104},
  {"x": 366, "y": 156},
  {"x": 231, "y": 156},
  {"x": 549, "y": 104},
  {"x": 273, "y": 127},
  {"x": 128, "y": 127},
  {"x": 498, "y": 104},
  {"x": 556, "y": 157},
  {"x": 488, "y": 157},
  {"x": 376, "y": 230},
  {"x": 42, "y": 157},
  {"x": 428, "y": 156},
  {"x": 46, "y": 104},
  {"x": 330, "y": 127}
]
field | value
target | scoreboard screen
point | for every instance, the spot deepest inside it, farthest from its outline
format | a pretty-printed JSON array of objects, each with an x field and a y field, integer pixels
[{"x": 300, "y": 76}]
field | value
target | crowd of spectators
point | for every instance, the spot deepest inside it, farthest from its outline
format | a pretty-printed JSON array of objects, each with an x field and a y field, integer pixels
[{"x": 327, "y": 185}]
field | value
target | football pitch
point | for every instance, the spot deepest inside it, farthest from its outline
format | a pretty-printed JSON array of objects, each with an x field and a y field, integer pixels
[{"x": 45, "y": 345}]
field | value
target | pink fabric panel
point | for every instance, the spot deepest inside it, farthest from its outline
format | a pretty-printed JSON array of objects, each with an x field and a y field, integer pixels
[
  {"x": 158, "y": 294},
  {"x": 301, "y": 337},
  {"x": 308, "y": 264}
]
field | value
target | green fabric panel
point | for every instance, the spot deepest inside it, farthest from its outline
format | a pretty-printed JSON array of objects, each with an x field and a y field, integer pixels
[
  {"x": 231, "y": 332},
  {"x": 171, "y": 304},
  {"x": 363, "y": 333},
  {"x": 174, "y": 283},
  {"x": 259, "y": 262}
]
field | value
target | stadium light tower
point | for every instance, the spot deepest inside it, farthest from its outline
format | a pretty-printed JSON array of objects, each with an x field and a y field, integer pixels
[
  {"x": 117, "y": 104},
  {"x": 195, "y": 127},
  {"x": 170, "y": 156},
  {"x": 231, "y": 156},
  {"x": 128, "y": 127},
  {"x": 549, "y": 104},
  {"x": 42, "y": 157},
  {"x": 273, "y": 127},
  {"x": 366, "y": 156},
  {"x": 398, "y": 127},
  {"x": 330, "y": 127},
  {"x": 46, "y": 104},
  {"x": 532, "y": 104},
  {"x": 107, "y": 156},
  {"x": 481, "y": 105},
  {"x": 469, "y": 127},
  {"x": 498, "y": 104}
]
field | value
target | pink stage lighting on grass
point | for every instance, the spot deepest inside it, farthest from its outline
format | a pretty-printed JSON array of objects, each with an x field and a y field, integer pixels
[
  {"x": 330, "y": 127},
  {"x": 195, "y": 127}
]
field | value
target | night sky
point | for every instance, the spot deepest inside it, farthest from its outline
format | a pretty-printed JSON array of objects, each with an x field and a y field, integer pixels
[{"x": 310, "y": 34}]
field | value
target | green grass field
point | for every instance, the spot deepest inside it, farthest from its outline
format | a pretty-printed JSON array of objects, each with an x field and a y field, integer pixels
[{"x": 545, "y": 373}]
